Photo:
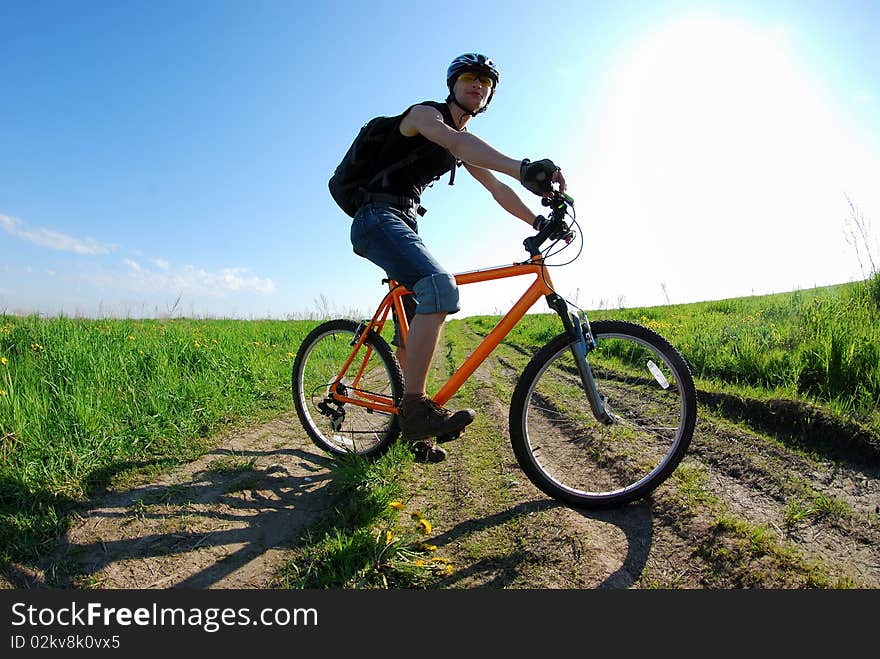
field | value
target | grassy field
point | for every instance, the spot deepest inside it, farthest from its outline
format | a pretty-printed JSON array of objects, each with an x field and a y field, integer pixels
[
  {"x": 820, "y": 345},
  {"x": 83, "y": 403}
]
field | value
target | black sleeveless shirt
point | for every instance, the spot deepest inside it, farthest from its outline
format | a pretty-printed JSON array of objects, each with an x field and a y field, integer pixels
[{"x": 411, "y": 181}]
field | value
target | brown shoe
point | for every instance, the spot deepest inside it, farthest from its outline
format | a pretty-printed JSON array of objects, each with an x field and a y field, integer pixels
[{"x": 421, "y": 417}]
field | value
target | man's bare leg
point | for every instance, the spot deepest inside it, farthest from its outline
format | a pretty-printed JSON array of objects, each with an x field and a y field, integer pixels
[{"x": 421, "y": 343}]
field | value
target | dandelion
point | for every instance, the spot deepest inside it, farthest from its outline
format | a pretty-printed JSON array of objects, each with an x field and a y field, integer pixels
[
  {"x": 4, "y": 361},
  {"x": 130, "y": 337},
  {"x": 196, "y": 344},
  {"x": 2, "y": 392},
  {"x": 425, "y": 526},
  {"x": 290, "y": 354},
  {"x": 419, "y": 562},
  {"x": 389, "y": 538},
  {"x": 416, "y": 516},
  {"x": 394, "y": 504},
  {"x": 424, "y": 546},
  {"x": 36, "y": 347}
]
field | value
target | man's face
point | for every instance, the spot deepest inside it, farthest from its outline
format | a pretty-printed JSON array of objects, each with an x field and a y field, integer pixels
[{"x": 472, "y": 90}]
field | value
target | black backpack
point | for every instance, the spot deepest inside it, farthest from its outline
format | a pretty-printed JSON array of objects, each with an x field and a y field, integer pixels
[{"x": 357, "y": 171}]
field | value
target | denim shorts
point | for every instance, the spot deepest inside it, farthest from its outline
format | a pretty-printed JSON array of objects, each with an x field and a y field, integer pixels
[{"x": 388, "y": 236}]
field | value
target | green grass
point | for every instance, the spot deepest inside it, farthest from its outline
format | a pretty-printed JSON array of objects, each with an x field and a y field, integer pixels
[
  {"x": 83, "y": 402},
  {"x": 820, "y": 345},
  {"x": 371, "y": 540},
  {"x": 86, "y": 403}
]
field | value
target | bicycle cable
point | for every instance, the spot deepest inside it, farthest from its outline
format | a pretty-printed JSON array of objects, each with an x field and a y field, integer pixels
[{"x": 547, "y": 254}]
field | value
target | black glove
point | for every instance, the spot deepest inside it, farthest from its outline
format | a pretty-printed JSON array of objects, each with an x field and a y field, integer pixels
[
  {"x": 536, "y": 176},
  {"x": 539, "y": 223}
]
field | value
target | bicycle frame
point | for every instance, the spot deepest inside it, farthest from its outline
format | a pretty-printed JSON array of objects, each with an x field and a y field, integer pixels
[{"x": 542, "y": 286}]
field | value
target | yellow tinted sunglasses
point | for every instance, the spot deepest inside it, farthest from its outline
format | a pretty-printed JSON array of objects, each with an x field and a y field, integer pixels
[{"x": 469, "y": 77}]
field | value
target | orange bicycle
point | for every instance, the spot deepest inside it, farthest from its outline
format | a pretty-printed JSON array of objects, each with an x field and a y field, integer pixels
[{"x": 601, "y": 415}]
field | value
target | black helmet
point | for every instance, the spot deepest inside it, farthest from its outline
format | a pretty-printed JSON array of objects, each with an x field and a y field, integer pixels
[
  {"x": 476, "y": 63},
  {"x": 471, "y": 62}
]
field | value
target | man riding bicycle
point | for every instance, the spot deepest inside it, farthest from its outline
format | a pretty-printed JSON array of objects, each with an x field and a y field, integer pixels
[{"x": 385, "y": 229}]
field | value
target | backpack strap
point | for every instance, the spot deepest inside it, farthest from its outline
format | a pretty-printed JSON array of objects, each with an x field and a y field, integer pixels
[{"x": 384, "y": 174}]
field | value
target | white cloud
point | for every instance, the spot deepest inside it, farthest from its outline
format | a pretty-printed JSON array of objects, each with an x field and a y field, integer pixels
[
  {"x": 53, "y": 239},
  {"x": 186, "y": 279}
]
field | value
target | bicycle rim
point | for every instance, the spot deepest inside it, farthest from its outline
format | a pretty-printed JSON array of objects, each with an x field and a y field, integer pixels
[
  {"x": 345, "y": 427},
  {"x": 648, "y": 390}
]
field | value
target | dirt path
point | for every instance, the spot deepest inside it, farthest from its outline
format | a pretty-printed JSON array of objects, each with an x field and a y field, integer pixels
[
  {"x": 745, "y": 509},
  {"x": 223, "y": 521}
]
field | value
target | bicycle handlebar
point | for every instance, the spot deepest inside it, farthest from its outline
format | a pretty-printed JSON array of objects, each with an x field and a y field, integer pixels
[{"x": 556, "y": 228}]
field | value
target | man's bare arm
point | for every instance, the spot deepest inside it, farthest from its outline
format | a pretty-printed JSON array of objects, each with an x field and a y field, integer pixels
[
  {"x": 428, "y": 122},
  {"x": 503, "y": 194}
]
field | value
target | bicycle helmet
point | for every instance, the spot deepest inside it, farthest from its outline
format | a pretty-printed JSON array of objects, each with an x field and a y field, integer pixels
[{"x": 476, "y": 63}]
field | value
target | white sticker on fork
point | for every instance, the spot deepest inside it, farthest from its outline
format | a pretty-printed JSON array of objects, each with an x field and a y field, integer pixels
[{"x": 658, "y": 375}]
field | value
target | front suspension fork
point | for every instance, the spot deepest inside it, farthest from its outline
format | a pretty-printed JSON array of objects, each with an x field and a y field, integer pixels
[{"x": 581, "y": 342}]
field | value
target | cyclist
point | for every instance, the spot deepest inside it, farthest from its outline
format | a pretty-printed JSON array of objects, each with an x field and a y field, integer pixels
[{"x": 385, "y": 230}]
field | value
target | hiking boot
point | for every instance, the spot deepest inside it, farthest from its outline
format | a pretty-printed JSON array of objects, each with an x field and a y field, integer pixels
[
  {"x": 426, "y": 451},
  {"x": 421, "y": 417}
]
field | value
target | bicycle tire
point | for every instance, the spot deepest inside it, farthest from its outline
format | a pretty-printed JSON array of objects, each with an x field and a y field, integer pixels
[
  {"x": 340, "y": 428},
  {"x": 574, "y": 458}
]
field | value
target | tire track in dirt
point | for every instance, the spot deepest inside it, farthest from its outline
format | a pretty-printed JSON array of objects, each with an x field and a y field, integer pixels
[
  {"x": 824, "y": 510},
  {"x": 201, "y": 525},
  {"x": 763, "y": 483}
]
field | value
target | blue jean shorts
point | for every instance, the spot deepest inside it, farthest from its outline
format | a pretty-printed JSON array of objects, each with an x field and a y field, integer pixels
[{"x": 388, "y": 236}]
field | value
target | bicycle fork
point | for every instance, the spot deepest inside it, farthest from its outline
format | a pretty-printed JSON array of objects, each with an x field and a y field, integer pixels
[{"x": 581, "y": 342}]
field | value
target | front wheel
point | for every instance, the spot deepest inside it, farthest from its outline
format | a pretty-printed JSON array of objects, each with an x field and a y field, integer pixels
[
  {"x": 335, "y": 425},
  {"x": 646, "y": 387}
]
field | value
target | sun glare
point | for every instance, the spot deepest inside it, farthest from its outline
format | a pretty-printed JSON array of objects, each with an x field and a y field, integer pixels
[{"x": 715, "y": 144}]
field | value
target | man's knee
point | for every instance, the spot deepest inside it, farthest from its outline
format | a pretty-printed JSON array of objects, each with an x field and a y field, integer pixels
[{"x": 437, "y": 293}]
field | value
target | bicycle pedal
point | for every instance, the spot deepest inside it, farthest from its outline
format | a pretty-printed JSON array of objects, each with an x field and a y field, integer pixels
[{"x": 448, "y": 437}]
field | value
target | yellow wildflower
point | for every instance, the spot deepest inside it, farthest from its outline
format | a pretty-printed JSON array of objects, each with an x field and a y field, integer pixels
[
  {"x": 394, "y": 504},
  {"x": 4, "y": 361},
  {"x": 389, "y": 537},
  {"x": 130, "y": 337},
  {"x": 2, "y": 392},
  {"x": 419, "y": 562},
  {"x": 426, "y": 547},
  {"x": 416, "y": 516},
  {"x": 426, "y": 526},
  {"x": 196, "y": 344}
]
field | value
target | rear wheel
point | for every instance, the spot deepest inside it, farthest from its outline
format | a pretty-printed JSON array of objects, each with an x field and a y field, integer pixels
[
  {"x": 646, "y": 387},
  {"x": 340, "y": 427}
]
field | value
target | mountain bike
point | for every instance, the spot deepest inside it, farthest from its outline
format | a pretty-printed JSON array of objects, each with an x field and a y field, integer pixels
[{"x": 600, "y": 415}]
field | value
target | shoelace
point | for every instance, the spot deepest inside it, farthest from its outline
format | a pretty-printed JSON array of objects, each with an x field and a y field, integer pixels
[{"x": 437, "y": 408}]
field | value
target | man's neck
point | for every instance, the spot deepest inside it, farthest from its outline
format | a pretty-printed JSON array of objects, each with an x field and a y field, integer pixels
[{"x": 458, "y": 114}]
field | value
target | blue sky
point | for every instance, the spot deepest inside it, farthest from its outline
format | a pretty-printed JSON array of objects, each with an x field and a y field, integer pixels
[{"x": 159, "y": 156}]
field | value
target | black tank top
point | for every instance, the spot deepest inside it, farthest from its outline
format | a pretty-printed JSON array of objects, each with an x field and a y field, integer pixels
[{"x": 411, "y": 181}]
